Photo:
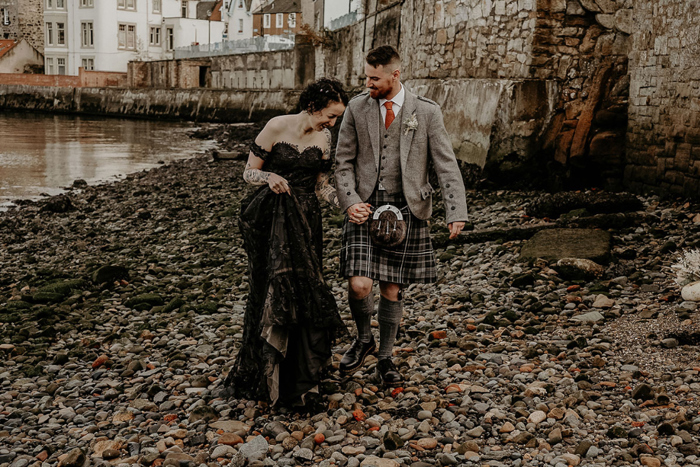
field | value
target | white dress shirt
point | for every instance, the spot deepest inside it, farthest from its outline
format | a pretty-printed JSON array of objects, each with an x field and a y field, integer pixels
[{"x": 398, "y": 103}]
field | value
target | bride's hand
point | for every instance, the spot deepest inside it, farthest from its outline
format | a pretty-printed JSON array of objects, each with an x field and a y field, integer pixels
[{"x": 278, "y": 184}]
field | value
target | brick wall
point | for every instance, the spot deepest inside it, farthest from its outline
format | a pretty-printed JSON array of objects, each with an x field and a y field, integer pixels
[{"x": 96, "y": 79}]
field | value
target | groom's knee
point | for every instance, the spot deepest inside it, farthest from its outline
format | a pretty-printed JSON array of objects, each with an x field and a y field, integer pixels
[{"x": 359, "y": 287}]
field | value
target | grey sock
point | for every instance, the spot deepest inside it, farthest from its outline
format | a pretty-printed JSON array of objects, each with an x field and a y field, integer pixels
[
  {"x": 362, "y": 311},
  {"x": 389, "y": 316}
]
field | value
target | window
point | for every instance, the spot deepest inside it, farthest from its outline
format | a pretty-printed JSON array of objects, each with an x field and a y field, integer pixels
[
  {"x": 127, "y": 36},
  {"x": 61, "y": 4},
  {"x": 49, "y": 6},
  {"x": 170, "y": 39},
  {"x": 184, "y": 8},
  {"x": 266, "y": 20},
  {"x": 292, "y": 20},
  {"x": 87, "y": 3},
  {"x": 61, "y": 62},
  {"x": 61, "y": 33},
  {"x": 155, "y": 36},
  {"x": 279, "y": 20},
  {"x": 88, "y": 34},
  {"x": 121, "y": 4},
  {"x": 49, "y": 66},
  {"x": 240, "y": 3},
  {"x": 240, "y": 26},
  {"x": 156, "y": 6},
  {"x": 126, "y": 4},
  {"x": 49, "y": 34},
  {"x": 5, "y": 14},
  {"x": 88, "y": 64}
]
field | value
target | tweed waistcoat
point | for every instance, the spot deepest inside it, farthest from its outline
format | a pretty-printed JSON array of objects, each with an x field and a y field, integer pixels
[{"x": 390, "y": 156}]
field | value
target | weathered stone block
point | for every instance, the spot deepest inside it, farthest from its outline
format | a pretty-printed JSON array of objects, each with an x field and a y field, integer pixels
[{"x": 556, "y": 244}]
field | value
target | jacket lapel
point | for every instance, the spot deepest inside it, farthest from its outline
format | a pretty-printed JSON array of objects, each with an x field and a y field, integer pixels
[
  {"x": 409, "y": 108},
  {"x": 373, "y": 117}
]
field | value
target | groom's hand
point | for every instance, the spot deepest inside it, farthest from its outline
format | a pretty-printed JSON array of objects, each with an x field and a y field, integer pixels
[
  {"x": 359, "y": 213},
  {"x": 455, "y": 228}
]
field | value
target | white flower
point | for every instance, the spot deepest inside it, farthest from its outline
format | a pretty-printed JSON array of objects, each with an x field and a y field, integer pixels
[
  {"x": 410, "y": 124},
  {"x": 687, "y": 267}
]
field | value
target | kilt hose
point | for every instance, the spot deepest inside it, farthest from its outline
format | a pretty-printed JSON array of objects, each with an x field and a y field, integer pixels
[{"x": 412, "y": 261}]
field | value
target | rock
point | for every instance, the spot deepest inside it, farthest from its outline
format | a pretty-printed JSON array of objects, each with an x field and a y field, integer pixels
[
  {"x": 222, "y": 451},
  {"x": 305, "y": 454},
  {"x": 75, "y": 458},
  {"x": 583, "y": 448},
  {"x": 691, "y": 292},
  {"x": 58, "y": 204},
  {"x": 578, "y": 269},
  {"x": 507, "y": 427},
  {"x": 392, "y": 441},
  {"x": 591, "y": 317},
  {"x": 353, "y": 450},
  {"x": 537, "y": 417},
  {"x": 666, "y": 429},
  {"x": 643, "y": 392},
  {"x": 669, "y": 343},
  {"x": 378, "y": 462},
  {"x": 231, "y": 426},
  {"x": 555, "y": 244},
  {"x": 427, "y": 443},
  {"x": 650, "y": 461},
  {"x": 203, "y": 412},
  {"x": 553, "y": 205},
  {"x": 109, "y": 274},
  {"x": 624, "y": 20},
  {"x": 110, "y": 454},
  {"x": 571, "y": 459},
  {"x": 230, "y": 439},
  {"x": 255, "y": 449},
  {"x": 601, "y": 301}
]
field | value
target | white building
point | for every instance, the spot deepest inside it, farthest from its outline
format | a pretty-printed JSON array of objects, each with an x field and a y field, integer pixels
[
  {"x": 240, "y": 14},
  {"x": 104, "y": 35}
]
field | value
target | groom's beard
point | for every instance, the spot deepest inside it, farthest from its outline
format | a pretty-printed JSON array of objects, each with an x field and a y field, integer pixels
[{"x": 377, "y": 94}]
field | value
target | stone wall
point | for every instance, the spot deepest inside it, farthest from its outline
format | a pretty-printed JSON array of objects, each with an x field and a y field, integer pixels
[
  {"x": 100, "y": 79},
  {"x": 179, "y": 104},
  {"x": 26, "y": 22},
  {"x": 663, "y": 137},
  {"x": 31, "y": 22}
]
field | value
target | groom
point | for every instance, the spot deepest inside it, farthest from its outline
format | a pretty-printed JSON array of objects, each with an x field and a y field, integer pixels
[{"x": 388, "y": 139}]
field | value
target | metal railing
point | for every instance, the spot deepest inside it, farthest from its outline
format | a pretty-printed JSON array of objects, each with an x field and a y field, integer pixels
[
  {"x": 345, "y": 20},
  {"x": 241, "y": 46}
]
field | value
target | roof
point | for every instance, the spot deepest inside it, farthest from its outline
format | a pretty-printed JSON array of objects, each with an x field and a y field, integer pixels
[
  {"x": 6, "y": 46},
  {"x": 204, "y": 9},
  {"x": 280, "y": 6}
]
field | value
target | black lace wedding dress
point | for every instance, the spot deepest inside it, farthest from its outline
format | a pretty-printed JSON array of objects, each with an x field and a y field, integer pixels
[{"x": 291, "y": 318}]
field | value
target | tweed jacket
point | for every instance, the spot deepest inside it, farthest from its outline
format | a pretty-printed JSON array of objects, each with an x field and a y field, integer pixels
[{"x": 357, "y": 156}]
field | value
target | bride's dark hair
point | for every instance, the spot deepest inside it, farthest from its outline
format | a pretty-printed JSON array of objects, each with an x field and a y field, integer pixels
[{"x": 319, "y": 94}]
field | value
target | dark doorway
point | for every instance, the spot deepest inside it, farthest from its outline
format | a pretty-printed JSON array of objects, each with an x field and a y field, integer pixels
[{"x": 203, "y": 76}]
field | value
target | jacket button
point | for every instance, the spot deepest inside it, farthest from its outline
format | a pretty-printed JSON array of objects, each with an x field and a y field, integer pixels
[
  {"x": 447, "y": 185},
  {"x": 385, "y": 146},
  {"x": 451, "y": 196},
  {"x": 346, "y": 185},
  {"x": 386, "y": 136},
  {"x": 452, "y": 208},
  {"x": 348, "y": 193}
]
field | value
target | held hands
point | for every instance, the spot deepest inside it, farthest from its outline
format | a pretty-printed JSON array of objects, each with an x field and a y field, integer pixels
[
  {"x": 455, "y": 228},
  {"x": 278, "y": 184},
  {"x": 359, "y": 213}
]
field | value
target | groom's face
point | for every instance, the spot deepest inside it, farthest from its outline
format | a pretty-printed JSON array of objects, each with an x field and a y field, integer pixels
[{"x": 381, "y": 80}]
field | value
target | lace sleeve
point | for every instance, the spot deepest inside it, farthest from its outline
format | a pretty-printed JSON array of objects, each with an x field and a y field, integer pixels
[{"x": 258, "y": 151}]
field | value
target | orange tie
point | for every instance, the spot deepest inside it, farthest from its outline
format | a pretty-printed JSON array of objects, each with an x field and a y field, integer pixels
[{"x": 389, "y": 114}]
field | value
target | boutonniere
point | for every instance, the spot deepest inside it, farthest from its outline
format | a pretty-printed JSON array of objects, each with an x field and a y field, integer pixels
[{"x": 410, "y": 124}]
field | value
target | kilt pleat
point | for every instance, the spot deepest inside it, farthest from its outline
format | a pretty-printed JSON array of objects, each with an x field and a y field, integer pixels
[{"x": 412, "y": 261}]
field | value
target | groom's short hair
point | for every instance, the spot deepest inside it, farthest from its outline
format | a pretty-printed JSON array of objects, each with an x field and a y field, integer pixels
[{"x": 383, "y": 55}]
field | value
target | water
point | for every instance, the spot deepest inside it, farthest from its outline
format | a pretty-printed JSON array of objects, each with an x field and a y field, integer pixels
[{"x": 40, "y": 153}]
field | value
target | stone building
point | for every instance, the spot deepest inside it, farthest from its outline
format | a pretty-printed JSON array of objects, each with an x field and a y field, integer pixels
[
  {"x": 278, "y": 18},
  {"x": 22, "y": 19}
]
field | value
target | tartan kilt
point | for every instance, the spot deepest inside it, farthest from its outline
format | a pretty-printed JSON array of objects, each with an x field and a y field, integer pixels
[{"x": 413, "y": 261}]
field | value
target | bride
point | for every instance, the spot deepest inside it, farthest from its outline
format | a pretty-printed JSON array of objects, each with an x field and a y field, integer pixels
[{"x": 291, "y": 319}]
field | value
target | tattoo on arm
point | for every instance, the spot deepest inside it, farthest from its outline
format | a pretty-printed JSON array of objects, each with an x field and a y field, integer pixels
[
  {"x": 329, "y": 140},
  {"x": 255, "y": 176},
  {"x": 326, "y": 191}
]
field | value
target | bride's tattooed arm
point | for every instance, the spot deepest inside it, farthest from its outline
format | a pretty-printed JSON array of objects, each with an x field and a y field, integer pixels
[
  {"x": 326, "y": 191},
  {"x": 255, "y": 176}
]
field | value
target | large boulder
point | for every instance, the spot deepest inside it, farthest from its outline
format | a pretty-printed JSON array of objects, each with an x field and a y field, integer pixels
[
  {"x": 554, "y": 205},
  {"x": 555, "y": 244}
]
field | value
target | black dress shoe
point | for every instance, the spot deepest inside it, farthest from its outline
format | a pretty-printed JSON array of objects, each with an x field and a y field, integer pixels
[
  {"x": 387, "y": 372},
  {"x": 355, "y": 356}
]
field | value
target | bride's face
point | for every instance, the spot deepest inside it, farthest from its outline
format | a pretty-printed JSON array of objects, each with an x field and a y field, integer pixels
[{"x": 326, "y": 118}]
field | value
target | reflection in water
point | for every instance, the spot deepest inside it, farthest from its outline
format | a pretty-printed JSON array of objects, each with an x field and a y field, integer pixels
[{"x": 41, "y": 153}]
